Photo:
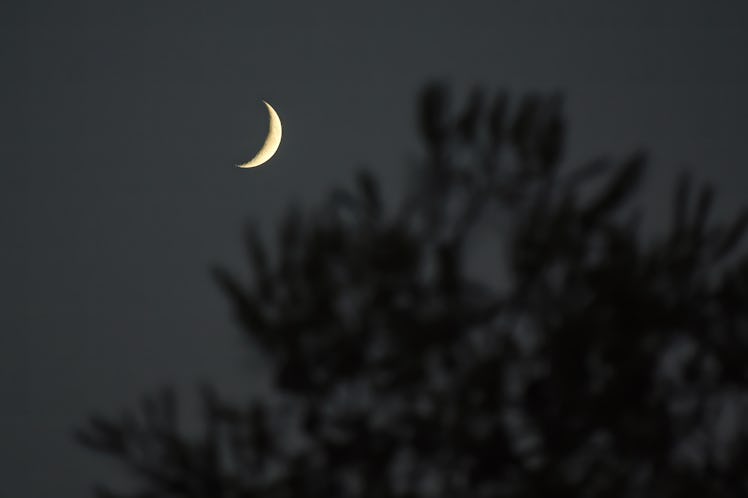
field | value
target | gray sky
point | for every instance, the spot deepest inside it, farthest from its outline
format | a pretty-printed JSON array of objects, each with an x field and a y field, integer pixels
[{"x": 123, "y": 122}]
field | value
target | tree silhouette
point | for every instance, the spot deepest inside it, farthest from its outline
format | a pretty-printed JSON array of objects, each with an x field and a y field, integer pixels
[{"x": 598, "y": 363}]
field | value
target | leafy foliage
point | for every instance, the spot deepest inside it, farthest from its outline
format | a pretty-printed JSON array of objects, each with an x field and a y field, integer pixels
[{"x": 600, "y": 365}]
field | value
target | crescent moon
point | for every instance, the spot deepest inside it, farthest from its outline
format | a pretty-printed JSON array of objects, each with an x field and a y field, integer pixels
[{"x": 272, "y": 141}]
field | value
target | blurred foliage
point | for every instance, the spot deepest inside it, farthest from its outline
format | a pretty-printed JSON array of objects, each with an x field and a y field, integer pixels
[{"x": 600, "y": 364}]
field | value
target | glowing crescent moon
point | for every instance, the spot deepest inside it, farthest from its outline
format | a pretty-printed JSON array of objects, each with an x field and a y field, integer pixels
[{"x": 272, "y": 141}]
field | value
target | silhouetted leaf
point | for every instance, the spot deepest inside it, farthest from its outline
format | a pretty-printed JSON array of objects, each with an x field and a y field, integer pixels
[
  {"x": 467, "y": 122},
  {"x": 550, "y": 146},
  {"x": 497, "y": 118},
  {"x": 370, "y": 191},
  {"x": 523, "y": 126},
  {"x": 433, "y": 114},
  {"x": 680, "y": 207},
  {"x": 733, "y": 235},
  {"x": 617, "y": 190},
  {"x": 246, "y": 308}
]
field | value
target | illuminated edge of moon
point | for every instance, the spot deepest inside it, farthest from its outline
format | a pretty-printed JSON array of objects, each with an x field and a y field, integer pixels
[{"x": 272, "y": 141}]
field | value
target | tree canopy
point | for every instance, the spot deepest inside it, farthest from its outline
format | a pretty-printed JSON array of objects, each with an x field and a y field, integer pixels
[{"x": 599, "y": 363}]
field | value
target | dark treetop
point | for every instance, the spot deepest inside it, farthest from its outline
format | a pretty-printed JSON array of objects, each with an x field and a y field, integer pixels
[{"x": 599, "y": 363}]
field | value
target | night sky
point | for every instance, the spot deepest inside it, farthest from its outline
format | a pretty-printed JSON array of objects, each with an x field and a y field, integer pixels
[{"x": 123, "y": 123}]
